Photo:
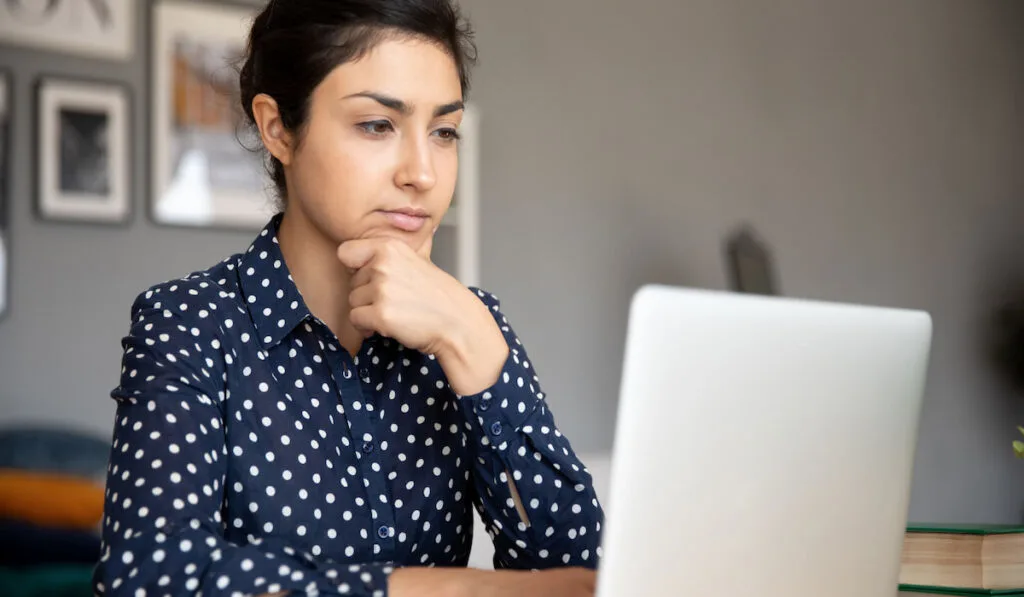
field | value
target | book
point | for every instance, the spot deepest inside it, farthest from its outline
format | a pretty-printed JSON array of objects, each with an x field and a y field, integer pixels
[
  {"x": 922, "y": 591},
  {"x": 972, "y": 559}
]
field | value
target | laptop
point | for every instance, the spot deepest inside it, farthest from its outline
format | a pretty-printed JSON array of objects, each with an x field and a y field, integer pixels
[{"x": 764, "y": 447}]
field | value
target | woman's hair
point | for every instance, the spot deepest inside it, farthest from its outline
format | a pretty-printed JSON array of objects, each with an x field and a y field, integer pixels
[{"x": 294, "y": 44}]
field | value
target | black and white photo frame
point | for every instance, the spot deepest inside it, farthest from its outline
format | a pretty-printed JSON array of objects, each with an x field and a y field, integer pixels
[
  {"x": 82, "y": 151},
  {"x": 103, "y": 29}
]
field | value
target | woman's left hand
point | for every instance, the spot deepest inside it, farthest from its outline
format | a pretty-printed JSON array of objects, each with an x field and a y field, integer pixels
[{"x": 399, "y": 293}]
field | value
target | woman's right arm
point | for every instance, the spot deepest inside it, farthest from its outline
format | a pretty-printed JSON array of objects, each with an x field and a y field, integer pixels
[{"x": 163, "y": 531}]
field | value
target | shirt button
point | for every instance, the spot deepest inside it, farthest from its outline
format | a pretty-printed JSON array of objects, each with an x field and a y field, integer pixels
[
  {"x": 383, "y": 532},
  {"x": 364, "y": 373},
  {"x": 496, "y": 428},
  {"x": 484, "y": 405},
  {"x": 367, "y": 447}
]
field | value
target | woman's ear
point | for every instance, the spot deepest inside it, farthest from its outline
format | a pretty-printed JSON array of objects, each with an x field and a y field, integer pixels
[{"x": 275, "y": 136}]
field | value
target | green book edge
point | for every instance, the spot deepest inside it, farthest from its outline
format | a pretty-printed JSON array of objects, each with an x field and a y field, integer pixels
[
  {"x": 959, "y": 591},
  {"x": 965, "y": 529}
]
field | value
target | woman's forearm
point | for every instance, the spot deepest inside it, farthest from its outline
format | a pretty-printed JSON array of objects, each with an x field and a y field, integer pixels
[
  {"x": 434, "y": 582},
  {"x": 471, "y": 582}
]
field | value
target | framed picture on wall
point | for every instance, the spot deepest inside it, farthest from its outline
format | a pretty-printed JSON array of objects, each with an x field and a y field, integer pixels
[
  {"x": 5, "y": 139},
  {"x": 206, "y": 170},
  {"x": 95, "y": 28},
  {"x": 82, "y": 151}
]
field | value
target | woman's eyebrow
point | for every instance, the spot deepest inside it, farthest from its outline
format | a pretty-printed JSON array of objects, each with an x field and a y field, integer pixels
[{"x": 402, "y": 107}]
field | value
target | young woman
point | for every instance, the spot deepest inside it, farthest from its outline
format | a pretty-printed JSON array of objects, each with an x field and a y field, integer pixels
[{"x": 319, "y": 414}]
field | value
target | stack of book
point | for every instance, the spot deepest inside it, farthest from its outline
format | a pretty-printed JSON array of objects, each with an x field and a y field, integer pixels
[{"x": 968, "y": 560}]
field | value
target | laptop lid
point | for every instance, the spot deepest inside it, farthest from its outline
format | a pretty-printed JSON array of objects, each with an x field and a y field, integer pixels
[{"x": 764, "y": 446}]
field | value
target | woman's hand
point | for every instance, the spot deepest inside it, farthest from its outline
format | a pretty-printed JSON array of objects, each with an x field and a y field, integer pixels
[
  {"x": 468, "y": 582},
  {"x": 397, "y": 292}
]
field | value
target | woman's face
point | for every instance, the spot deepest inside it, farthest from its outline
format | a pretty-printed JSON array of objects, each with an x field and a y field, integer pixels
[{"x": 378, "y": 155}]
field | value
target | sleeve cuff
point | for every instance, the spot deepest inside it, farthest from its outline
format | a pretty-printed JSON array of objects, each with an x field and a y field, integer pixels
[{"x": 505, "y": 406}]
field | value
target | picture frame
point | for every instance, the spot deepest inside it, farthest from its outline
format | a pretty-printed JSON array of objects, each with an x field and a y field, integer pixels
[
  {"x": 95, "y": 28},
  {"x": 206, "y": 169},
  {"x": 6, "y": 94},
  {"x": 82, "y": 151}
]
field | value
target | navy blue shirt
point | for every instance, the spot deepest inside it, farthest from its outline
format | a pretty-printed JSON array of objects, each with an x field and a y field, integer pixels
[{"x": 252, "y": 454}]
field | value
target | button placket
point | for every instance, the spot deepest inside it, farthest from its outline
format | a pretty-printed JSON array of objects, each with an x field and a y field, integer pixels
[
  {"x": 359, "y": 427},
  {"x": 369, "y": 446}
]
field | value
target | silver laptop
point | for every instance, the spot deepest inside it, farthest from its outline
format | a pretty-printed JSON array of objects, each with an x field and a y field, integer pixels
[{"x": 764, "y": 447}]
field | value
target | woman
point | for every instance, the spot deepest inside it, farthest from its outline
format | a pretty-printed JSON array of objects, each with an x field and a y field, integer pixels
[{"x": 319, "y": 414}]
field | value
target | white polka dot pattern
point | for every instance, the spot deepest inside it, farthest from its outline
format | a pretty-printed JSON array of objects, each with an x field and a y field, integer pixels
[{"x": 252, "y": 454}]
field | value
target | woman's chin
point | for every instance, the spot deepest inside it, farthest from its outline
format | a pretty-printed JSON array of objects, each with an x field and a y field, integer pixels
[{"x": 413, "y": 239}]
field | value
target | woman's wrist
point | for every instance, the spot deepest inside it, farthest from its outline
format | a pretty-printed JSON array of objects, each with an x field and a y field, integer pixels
[{"x": 473, "y": 354}]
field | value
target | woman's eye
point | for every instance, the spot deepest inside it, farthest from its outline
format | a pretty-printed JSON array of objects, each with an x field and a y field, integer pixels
[
  {"x": 449, "y": 134},
  {"x": 376, "y": 127}
]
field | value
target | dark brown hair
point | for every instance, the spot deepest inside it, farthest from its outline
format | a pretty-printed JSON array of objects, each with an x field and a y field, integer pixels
[{"x": 294, "y": 44}]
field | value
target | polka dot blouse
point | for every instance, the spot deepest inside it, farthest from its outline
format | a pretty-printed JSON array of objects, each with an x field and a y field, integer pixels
[{"x": 252, "y": 454}]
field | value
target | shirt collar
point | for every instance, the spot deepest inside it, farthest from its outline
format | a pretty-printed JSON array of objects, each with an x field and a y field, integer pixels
[{"x": 271, "y": 296}]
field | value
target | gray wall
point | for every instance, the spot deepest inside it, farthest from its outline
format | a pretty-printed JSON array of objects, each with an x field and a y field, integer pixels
[
  {"x": 71, "y": 285},
  {"x": 877, "y": 145}
]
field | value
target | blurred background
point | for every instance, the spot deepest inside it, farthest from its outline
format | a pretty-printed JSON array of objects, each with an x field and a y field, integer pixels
[{"x": 874, "y": 148}]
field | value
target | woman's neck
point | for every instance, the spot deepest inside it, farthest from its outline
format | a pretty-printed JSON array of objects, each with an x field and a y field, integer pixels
[{"x": 323, "y": 281}]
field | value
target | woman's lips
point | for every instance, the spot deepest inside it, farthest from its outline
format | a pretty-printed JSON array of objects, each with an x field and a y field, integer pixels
[{"x": 406, "y": 220}]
